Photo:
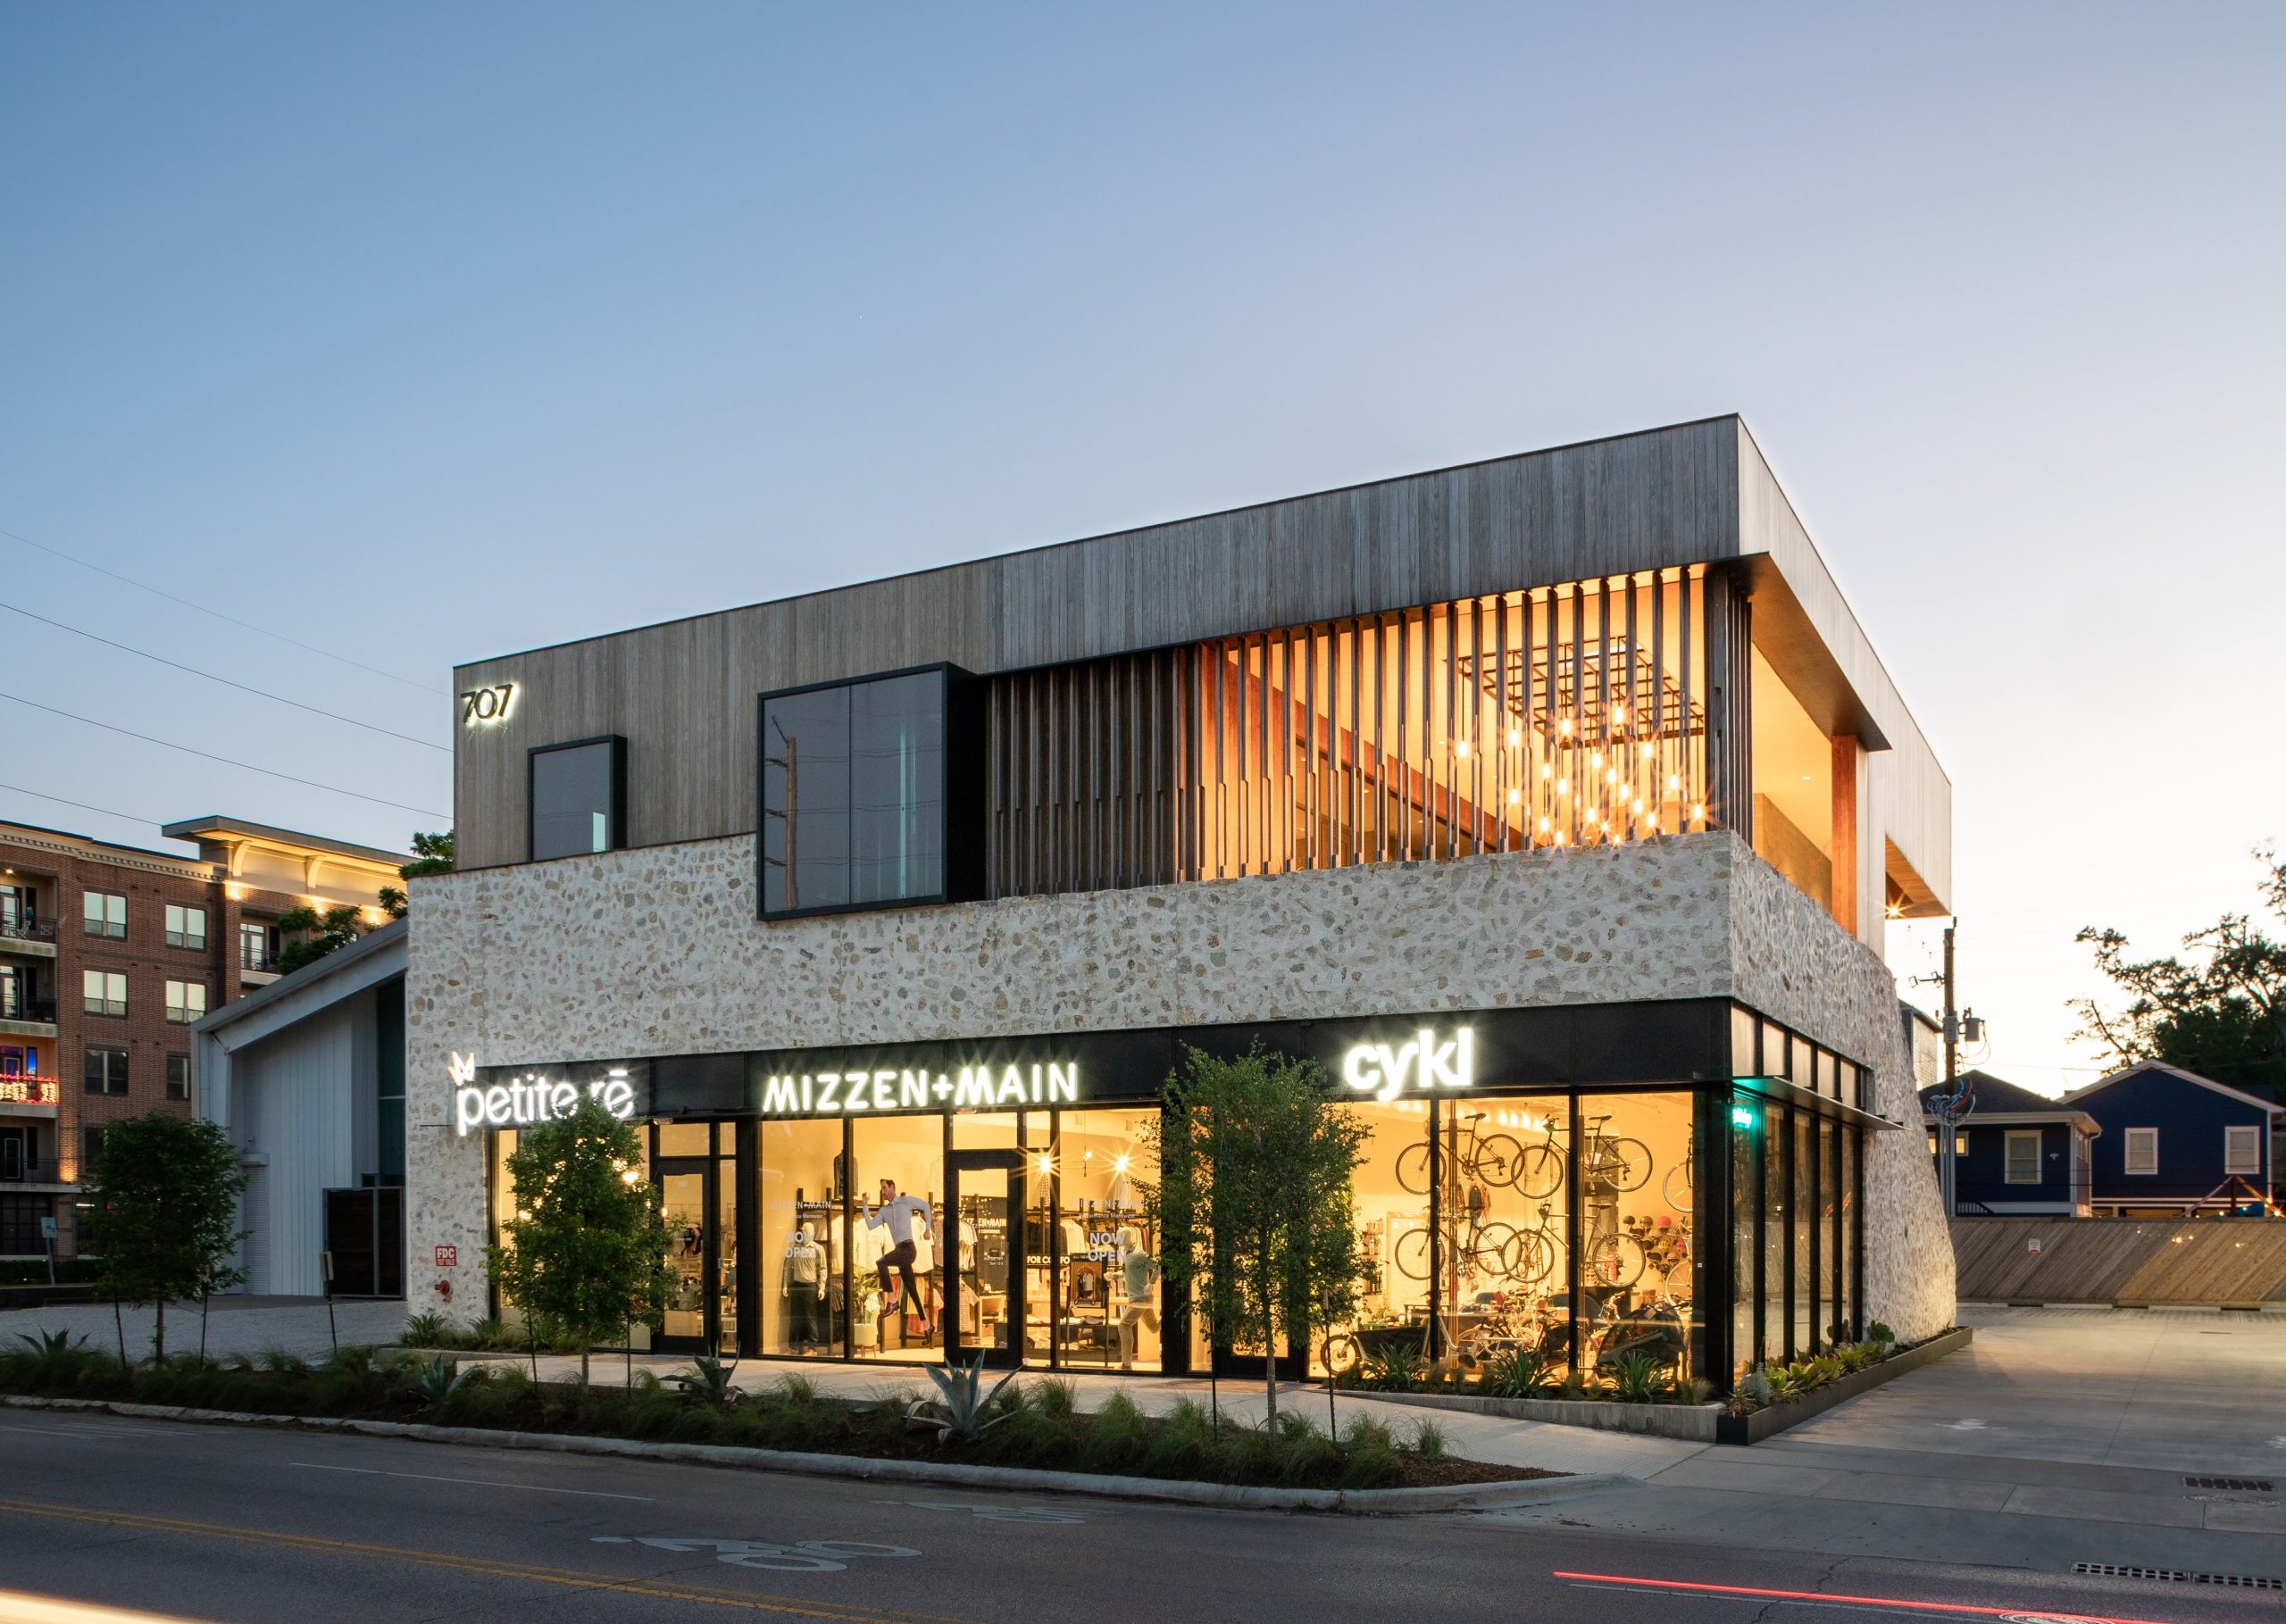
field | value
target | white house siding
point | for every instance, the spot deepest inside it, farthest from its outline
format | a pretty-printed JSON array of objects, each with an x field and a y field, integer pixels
[
  {"x": 658, "y": 951},
  {"x": 291, "y": 1111}
]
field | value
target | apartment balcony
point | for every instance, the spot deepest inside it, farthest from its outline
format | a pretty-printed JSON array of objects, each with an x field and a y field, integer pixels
[
  {"x": 35, "y": 1096},
  {"x": 28, "y": 1018},
  {"x": 27, "y": 938}
]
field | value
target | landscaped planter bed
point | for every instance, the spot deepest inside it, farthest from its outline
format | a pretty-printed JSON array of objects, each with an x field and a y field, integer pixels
[
  {"x": 1033, "y": 1428},
  {"x": 1696, "y": 1423}
]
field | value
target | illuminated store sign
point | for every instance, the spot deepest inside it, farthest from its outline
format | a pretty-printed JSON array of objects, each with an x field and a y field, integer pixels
[
  {"x": 531, "y": 1098},
  {"x": 1422, "y": 1064},
  {"x": 974, "y": 1087}
]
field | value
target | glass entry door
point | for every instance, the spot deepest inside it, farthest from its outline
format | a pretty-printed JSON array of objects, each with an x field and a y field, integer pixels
[
  {"x": 984, "y": 1285},
  {"x": 689, "y": 1196}
]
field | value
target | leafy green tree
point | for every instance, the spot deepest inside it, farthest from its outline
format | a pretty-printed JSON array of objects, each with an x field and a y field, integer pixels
[
  {"x": 315, "y": 934},
  {"x": 586, "y": 1252},
  {"x": 166, "y": 1197},
  {"x": 1252, "y": 1202},
  {"x": 2219, "y": 1011},
  {"x": 431, "y": 854}
]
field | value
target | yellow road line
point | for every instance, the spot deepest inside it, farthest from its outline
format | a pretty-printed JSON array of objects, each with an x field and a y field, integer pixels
[{"x": 840, "y": 1612}]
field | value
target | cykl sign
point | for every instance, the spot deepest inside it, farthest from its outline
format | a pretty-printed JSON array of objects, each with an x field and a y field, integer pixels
[{"x": 1422, "y": 1064}]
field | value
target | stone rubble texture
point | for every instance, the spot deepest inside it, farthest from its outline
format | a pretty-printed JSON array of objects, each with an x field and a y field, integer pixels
[{"x": 658, "y": 951}]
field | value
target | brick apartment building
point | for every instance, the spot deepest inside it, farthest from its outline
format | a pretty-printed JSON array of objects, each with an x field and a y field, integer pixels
[{"x": 108, "y": 954}]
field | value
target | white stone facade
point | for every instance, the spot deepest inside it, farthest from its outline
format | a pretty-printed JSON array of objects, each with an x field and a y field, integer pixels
[{"x": 658, "y": 951}]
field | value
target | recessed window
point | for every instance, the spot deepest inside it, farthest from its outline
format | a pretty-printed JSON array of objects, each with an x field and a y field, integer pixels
[
  {"x": 2142, "y": 1152},
  {"x": 185, "y": 1002},
  {"x": 856, "y": 806},
  {"x": 103, "y": 913},
  {"x": 579, "y": 798},
  {"x": 106, "y": 1070},
  {"x": 257, "y": 946},
  {"x": 186, "y": 927},
  {"x": 2023, "y": 1155},
  {"x": 177, "y": 1077},
  {"x": 2242, "y": 1149},
  {"x": 104, "y": 992}
]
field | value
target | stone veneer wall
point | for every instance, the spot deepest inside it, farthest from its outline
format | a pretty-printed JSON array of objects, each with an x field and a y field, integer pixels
[{"x": 658, "y": 951}]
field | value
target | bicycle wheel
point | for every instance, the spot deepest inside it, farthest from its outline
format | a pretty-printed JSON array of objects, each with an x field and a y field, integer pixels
[
  {"x": 1411, "y": 1254},
  {"x": 1413, "y": 1168},
  {"x": 1341, "y": 1355},
  {"x": 1497, "y": 1248},
  {"x": 1626, "y": 1162},
  {"x": 1676, "y": 1188},
  {"x": 1498, "y": 1160},
  {"x": 1535, "y": 1258},
  {"x": 1540, "y": 1173},
  {"x": 1615, "y": 1261}
]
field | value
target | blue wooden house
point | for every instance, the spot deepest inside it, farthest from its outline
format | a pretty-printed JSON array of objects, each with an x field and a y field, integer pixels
[
  {"x": 2174, "y": 1143},
  {"x": 2016, "y": 1152}
]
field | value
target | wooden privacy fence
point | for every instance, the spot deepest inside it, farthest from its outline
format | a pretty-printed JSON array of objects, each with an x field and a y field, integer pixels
[{"x": 2132, "y": 1262}]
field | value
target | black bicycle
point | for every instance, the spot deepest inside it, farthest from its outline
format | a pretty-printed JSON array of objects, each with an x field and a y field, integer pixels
[{"x": 1492, "y": 1158}]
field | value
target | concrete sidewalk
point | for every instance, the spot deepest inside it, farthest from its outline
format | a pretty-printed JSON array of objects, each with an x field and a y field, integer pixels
[{"x": 235, "y": 1325}]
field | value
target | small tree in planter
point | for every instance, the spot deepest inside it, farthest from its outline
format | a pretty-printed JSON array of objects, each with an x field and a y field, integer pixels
[
  {"x": 166, "y": 1194},
  {"x": 586, "y": 1254},
  {"x": 1252, "y": 1201}
]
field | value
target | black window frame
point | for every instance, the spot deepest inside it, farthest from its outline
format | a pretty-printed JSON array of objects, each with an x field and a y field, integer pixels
[
  {"x": 106, "y": 934},
  {"x": 173, "y": 1057},
  {"x": 618, "y": 743},
  {"x": 960, "y": 810},
  {"x": 270, "y": 946},
  {"x": 120, "y": 1076},
  {"x": 182, "y": 939},
  {"x": 186, "y": 1018}
]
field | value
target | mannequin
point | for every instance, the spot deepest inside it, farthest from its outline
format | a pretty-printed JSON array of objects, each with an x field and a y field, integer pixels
[
  {"x": 1137, "y": 1272},
  {"x": 902, "y": 1214},
  {"x": 804, "y": 1289}
]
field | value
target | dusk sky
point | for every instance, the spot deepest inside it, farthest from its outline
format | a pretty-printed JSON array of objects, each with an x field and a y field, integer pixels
[{"x": 422, "y": 333}]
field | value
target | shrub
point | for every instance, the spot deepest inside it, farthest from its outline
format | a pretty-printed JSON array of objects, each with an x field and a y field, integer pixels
[
  {"x": 710, "y": 1380},
  {"x": 1183, "y": 1442},
  {"x": 1519, "y": 1373},
  {"x": 1880, "y": 1333},
  {"x": 1637, "y": 1378},
  {"x": 961, "y": 1410},
  {"x": 423, "y": 1331},
  {"x": 1117, "y": 1438},
  {"x": 279, "y": 1361},
  {"x": 1429, "y": 1441},
  {"x": 1393, "y": 1368}
]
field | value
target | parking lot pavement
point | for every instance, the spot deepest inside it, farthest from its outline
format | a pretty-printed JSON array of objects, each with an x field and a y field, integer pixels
[{"x": 2060, "y": 1435}]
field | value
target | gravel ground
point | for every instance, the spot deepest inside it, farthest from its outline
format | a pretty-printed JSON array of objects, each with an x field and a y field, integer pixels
[{"x": 235, "y": 1325}]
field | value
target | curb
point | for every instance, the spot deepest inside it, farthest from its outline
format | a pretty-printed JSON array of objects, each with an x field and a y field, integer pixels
[{"x": 1352, "y": 1502}]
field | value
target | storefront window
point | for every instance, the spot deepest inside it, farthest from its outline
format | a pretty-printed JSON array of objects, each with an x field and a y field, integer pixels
[
  {"x": 898, "y": 1237},
  {"x": 682, "y": 1197},
  {"x": 1108, "y": 1308},
  {"x": 1746, "y": 1200},
  {"x": 1638, "y": 1177},
  {"x": 504, "y": 1207},
  {"x": 803, "y": 1244},
  {"x": 1390, "y": 1203},
  {"x": 1851, "y": 1140},
  {"x": 1804, "y": 1213},
  {"x": 1775, "y": 1188}
]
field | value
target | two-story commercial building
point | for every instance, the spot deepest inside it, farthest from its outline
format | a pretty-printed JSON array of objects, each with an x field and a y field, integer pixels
[{"x": 1553, "y": 804}]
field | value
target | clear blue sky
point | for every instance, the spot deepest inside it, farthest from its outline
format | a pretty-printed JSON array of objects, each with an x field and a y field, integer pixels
[{"x": 426, "y": 332}]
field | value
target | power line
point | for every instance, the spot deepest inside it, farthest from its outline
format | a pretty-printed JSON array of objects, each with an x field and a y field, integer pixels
[
  {"x": 218, "y": 614},
  {"x": 227, "y": 682},
  {"x": 226, "y": 761},
  {"x": 41, "y": 795}
]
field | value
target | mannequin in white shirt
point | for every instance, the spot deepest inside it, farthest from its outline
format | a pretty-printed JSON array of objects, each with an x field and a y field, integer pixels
[{"x": 901, "y": 1213}]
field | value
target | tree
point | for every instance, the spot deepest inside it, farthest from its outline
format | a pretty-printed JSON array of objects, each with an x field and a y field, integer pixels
[
  {"x": 1252, "y": 1203},
  {"x": 2221, "y": 1014},
  {"x": 586, "y": 1254},
  {"x": 166, "y": 1193},
  {"x": 431, "y": 854},
  {"x": 315, "y": 934}
]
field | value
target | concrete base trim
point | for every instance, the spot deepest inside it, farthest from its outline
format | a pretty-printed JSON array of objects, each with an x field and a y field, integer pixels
[
  {"x": 1692, "y": 1423},
  {"x": 1793, "y": 1411},
  {"x": 1369, "y": 1501}
]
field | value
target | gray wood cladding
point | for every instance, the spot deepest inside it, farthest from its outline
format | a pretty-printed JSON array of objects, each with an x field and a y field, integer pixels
[{"x": 683, "y": 693}]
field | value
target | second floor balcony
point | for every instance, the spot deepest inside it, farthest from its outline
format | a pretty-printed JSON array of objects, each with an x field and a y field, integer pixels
[{"x": 27, "y": 935}]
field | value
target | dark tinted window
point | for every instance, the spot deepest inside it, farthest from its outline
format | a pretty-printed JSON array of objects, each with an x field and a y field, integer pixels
[
  {"x": 576, "y": 800},
  {"x": 805, "y": 800},
  {"x": 896, "y": 788}
]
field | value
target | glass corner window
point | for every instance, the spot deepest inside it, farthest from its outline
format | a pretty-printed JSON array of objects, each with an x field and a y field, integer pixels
[
  {"x": 854, "y": 796},
  {"x": 578, "y": 797}
]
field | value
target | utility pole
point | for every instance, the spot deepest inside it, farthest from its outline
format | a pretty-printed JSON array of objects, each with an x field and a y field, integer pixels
[{"x": 1947, "y": 1134}]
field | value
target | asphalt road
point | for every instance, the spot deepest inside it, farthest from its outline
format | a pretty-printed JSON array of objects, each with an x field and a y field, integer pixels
[{"x": 245, "y": 1524}]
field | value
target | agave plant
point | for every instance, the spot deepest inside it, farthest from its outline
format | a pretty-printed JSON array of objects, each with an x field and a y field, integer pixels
[
  {"x": 709, "y": 1379},
  {"x": 441, "y": 1378},
  {"x": 53, "y": 1345},
  {"x": 1519, "y": 1373},
  {"x": 1636, "y": 1379},
  {"x": 960, "y": 1411}
]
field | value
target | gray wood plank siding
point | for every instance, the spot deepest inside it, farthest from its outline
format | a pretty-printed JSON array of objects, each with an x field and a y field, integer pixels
[{"x": 682, "y": 693}]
